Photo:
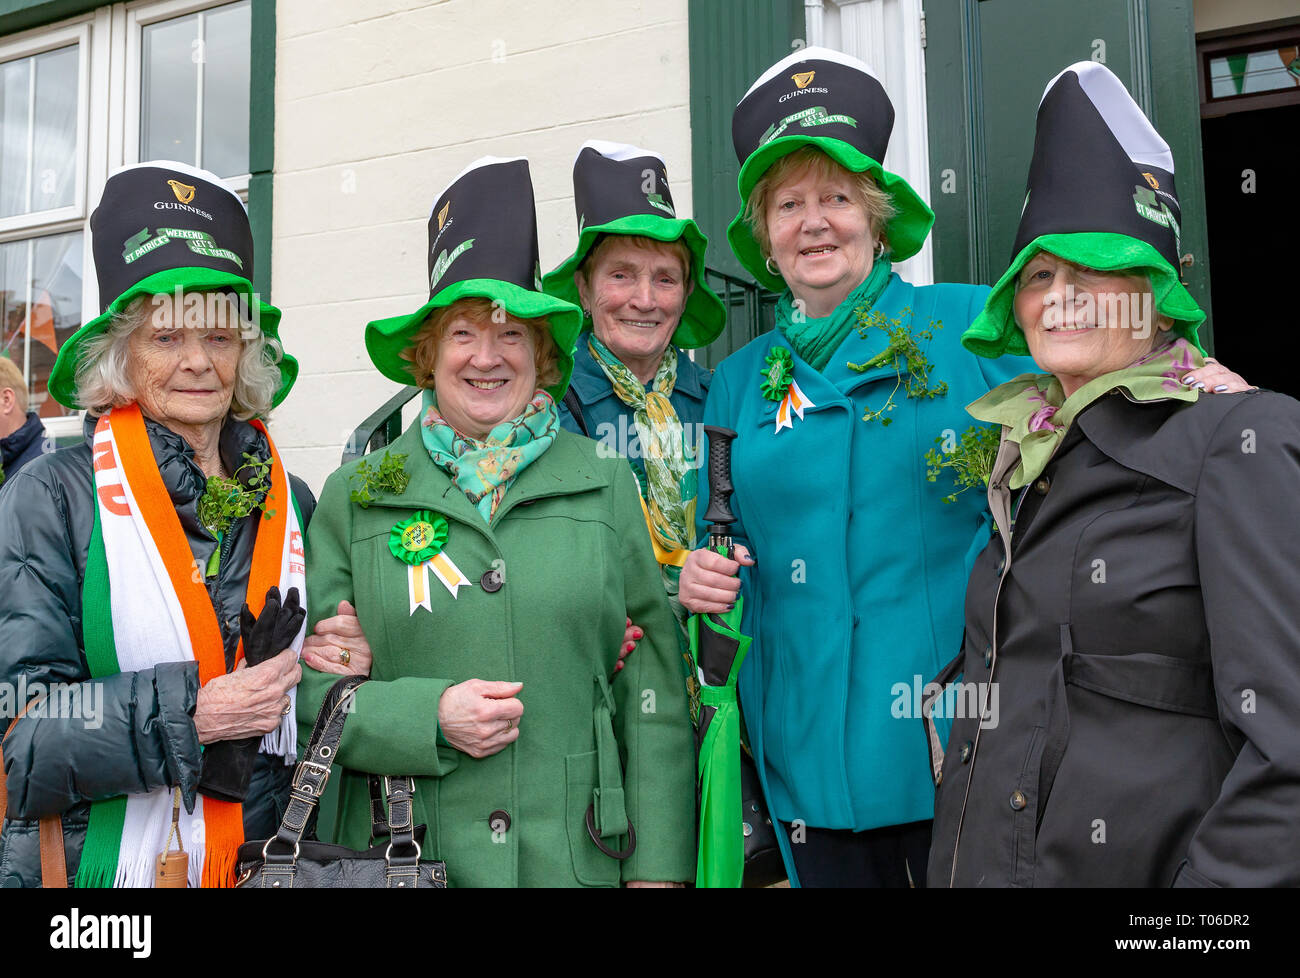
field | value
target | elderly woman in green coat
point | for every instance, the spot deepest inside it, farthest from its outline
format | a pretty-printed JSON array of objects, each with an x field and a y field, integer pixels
[{"x": 492, "y": 558}]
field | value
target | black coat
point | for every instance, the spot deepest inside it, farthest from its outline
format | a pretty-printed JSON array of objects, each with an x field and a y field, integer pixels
[
  {"x": 1146, "y": 658},
  {"x": 147, "y": 738},
  {"x": 25, "y": 444}
]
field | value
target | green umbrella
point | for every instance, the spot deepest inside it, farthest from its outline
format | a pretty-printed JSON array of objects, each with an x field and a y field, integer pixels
[{"x": 719, "y": 649}]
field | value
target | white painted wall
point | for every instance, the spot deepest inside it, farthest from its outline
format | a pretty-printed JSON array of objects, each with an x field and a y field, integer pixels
[
  {"x": 1213, "y": 15},
  {"x": 379, "y": 104}
]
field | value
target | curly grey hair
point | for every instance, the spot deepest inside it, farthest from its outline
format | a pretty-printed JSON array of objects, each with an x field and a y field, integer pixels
[{"x": 102, "y": 377}]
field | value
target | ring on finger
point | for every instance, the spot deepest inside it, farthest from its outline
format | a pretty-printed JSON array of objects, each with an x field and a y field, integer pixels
[
  {"x": 510, "y": 722},
  {"x": 288, "y": 705},
  {"x": 345, "y": 656}
]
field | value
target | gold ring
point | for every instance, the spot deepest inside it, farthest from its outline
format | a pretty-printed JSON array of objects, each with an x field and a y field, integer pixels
[
  {"x": 510, "y": 722},
  {"x": 345, "y": 656},
  {"x": 288, "y": 705}
]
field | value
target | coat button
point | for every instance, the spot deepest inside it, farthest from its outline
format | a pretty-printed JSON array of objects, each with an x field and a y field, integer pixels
[
  {"x": 988, "y": 657},
  {"x": 491, "y": 581},
  {"x": 1002, "y": 565},
  {"x": 499, "y": 821},
  {"x": 1042, "y": 485},
  {"x": 966, "y": 751},
  {"x": 1017, "y": 800}
]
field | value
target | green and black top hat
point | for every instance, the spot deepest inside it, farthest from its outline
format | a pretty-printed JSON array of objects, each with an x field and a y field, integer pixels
[
  {"x": 1100, "y": 193},
  {"x": 482, "y": 242},
  {"x": 620, "y": 189},
  {"x": 162, "y": 226},
  {"x": 822, "y": 98}
]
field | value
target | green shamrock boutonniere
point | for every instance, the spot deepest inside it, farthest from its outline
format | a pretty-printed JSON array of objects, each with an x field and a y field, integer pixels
[
  {"x": 419, "y": 538},
  {"x": 971, "y": 460},
  {"x": 389, "y": 476},
  {"x": 778, "y": 373},
  {"x": 226, "y": 500},
  {"x": 903, "y": 353}
]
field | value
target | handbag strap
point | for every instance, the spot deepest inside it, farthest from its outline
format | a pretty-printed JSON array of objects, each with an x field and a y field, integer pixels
[{"x": 54, "y": 863}]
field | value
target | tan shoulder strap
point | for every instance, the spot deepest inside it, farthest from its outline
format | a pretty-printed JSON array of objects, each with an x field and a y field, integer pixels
[{"x": 54, "y": 863}]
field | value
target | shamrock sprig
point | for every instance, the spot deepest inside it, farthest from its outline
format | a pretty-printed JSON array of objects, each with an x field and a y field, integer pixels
[
  {"x": 226, "y": 500},
  {"x": 389, "y": 476},
  {"x": 904, "y": 353},
  {"x": 777, "y": 374},
  {"x": 971, "y": 460}
]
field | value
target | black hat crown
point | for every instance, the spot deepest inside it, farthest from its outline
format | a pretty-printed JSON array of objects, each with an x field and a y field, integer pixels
[
  {"x": 613, "y": 180},
  {"x": 162, "y": 215},
  {"x": 484, "y": 226},
  {"x": 815, "y": 92},
  {"x": 1099, "y": 166}
]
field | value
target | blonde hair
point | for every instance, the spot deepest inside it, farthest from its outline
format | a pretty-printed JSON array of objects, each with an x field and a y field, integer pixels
[
  {"x": 424, "y": 348},
  {"x": 11, "y": 378},
  {"x": 677, "y": 248},
  {"x": 878, "y": 204},
  {"x": 102, "y": 378}
]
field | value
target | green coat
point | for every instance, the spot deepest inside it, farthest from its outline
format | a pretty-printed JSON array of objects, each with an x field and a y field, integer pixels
[{"x": 572, "y": 545}]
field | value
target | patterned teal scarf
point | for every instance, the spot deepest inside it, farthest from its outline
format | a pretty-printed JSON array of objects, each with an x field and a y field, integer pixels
[
  {"x": 816, "y": 339},
  {"x": 485, "y": 470}
]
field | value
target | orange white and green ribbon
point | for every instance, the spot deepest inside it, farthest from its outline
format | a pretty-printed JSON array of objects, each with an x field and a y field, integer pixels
[
  {"x": 418, "y": 543},
  {"x": 143, "y": 604}
]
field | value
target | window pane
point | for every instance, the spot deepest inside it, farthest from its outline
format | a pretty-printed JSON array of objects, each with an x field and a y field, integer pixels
[
  {"x": 225, "y": 89},
  {"x": 1247, "y": 73},
  {"x": 169, "y": 79},
  {"x": 38, "y": 152},
  {"x": 54, "y": 146},
  {"x": 48, "y": 270}
]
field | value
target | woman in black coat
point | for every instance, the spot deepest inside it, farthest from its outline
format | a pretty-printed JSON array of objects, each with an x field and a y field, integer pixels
[{"x": 1129, "y": 713}]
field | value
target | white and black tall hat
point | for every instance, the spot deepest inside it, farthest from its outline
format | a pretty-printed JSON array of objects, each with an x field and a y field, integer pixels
[
  {"x": 1100, "y": 193},
  {"x": 621, "y": 189},
  {"x": 483, "y": 243},
  {"x": 162, "y": 226},
  {"x": 834, "y": 102}
]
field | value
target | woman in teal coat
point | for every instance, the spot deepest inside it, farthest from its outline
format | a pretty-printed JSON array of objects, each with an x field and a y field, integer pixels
[{"x": 854, "y": 563}]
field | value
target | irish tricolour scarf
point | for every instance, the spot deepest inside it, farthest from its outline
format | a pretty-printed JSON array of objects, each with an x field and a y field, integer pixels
[{"x": 144, "y": 603}]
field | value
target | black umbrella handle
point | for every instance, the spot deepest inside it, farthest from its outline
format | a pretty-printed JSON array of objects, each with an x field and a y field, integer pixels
[{"x": 719, "y": 515}]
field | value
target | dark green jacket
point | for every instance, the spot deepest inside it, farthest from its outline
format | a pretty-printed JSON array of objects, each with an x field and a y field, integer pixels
[
  {"x": 571, "y": 545},
  {"x": 147, "y": 737}
]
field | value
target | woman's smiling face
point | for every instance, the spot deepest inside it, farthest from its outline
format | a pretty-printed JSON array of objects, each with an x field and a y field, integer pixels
[{"x": 486, "y": 373}]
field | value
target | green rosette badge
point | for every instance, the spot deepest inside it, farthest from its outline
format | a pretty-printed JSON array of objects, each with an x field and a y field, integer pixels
[
  {"x": 420, "y": 538},
  {"x": 778, "y": 373}
]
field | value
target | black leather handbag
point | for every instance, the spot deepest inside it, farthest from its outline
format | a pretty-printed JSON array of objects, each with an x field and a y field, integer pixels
[
  {"x": 287, "y": 861},
  {"x": 763, "y": 863}
]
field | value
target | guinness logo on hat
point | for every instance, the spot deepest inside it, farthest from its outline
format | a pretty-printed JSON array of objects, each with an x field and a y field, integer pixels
[
  {"x": 183, "y": 191},
  {"x": 442, "y": 214},
  {"x": 803, "y": 78}
]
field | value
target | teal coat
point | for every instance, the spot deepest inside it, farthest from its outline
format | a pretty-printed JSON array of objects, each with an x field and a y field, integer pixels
[
  {"x": 861, "y": 567},
  {"x": 609, "y": 420},
  {"x": 571, "y": 543}
]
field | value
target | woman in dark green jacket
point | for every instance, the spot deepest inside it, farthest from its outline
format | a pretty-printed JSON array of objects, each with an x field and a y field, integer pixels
[{"x": 491, "y": 568}]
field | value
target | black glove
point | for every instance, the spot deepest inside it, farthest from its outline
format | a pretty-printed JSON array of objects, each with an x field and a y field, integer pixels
[{"x": 228, "y": 764}]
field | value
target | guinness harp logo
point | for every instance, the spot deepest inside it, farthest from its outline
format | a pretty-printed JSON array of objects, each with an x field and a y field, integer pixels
[
  {"x": 183, "y": 191},
  {"x": 442, "y": 214},
  {"x": 1155, "y": 184},
  {"x": 803, "y": 78}
]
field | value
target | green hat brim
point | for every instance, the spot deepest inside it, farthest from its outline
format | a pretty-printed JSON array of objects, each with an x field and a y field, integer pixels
[
  {"x": 906, "y": 231},
  {"x": 994, "y": 332},
  {"x": 63, "y": 378},
  {"x": 704, "y": 317},
  {"x": 387, "y": 339}
]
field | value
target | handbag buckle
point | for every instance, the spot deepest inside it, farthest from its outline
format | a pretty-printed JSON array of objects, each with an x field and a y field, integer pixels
[
  {"x": 301, "y": 783},
  {"x": 273, "y": 838},
  {"x": 388, "y": 853}
]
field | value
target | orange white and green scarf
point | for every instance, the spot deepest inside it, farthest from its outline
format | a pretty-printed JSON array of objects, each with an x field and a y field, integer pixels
[{"x": 143, "y": 604}]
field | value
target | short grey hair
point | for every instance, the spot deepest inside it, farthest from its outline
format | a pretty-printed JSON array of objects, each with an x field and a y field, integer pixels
[{"x": 102, "y": 379}]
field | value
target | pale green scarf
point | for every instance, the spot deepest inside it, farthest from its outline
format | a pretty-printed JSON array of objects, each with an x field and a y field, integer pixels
[
  {"x": 485, "y": 470},
  {"x": 815, "y": 340},
  {"x": 1036, "y": 414}
]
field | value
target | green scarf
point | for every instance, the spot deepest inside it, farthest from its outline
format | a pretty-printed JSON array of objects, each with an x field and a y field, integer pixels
[
  {"x": 1035, "y": 414},
  {"x": 485, "y": 470},
  {"x": 816, "y": 339}
]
